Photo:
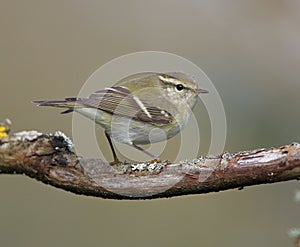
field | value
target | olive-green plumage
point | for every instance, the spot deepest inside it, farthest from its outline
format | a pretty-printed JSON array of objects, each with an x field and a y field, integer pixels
[{"x": 134, "y": 106}]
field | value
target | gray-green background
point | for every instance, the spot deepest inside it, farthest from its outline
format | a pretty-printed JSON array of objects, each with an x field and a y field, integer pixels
[{"x": 249, "y": 49}]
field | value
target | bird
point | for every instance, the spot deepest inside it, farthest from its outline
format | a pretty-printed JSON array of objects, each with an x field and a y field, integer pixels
[{"x": 134, "y": 106}]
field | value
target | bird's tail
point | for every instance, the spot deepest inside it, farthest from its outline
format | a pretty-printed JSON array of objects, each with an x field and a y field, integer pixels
[{"x": 70, "y": 103}]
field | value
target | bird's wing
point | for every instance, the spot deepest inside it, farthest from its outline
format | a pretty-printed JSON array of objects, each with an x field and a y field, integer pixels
[{"x": 119, "y": 100}]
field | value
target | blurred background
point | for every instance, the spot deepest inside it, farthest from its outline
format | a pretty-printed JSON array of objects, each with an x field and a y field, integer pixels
[{"x": 249, "y": 49}]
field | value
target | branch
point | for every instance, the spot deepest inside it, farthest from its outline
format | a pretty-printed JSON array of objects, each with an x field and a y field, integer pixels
[{"x": 49, "y": 158}]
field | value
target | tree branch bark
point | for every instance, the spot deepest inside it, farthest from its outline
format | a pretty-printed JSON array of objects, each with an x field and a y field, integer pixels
[{"x": 49, "y": 158}]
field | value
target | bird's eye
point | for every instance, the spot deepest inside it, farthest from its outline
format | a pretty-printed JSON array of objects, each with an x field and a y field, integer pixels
[{"x": 179, "y": 87}]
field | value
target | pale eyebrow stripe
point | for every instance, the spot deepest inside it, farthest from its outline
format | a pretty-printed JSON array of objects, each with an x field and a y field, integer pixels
[
  {"x": 172, "y": 81},
  {"x": 168, "y": 79},
  {"x": 142, "y": 106}
]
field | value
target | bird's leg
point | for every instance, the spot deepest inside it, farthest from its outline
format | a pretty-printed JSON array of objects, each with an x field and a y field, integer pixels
[{"x": 116, "y": 160}]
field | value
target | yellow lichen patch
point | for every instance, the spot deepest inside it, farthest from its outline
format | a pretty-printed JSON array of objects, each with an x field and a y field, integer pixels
[
  {"x": 3, "y": 135},
  {"x": 5, "y": 129}
]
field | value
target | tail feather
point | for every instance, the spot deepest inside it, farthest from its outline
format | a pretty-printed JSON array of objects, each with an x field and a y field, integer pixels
[{"x": 69, "y": 103}]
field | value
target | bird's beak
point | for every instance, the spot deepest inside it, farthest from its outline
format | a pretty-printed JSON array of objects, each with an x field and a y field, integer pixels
[{"x": 199, "y": 90}]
